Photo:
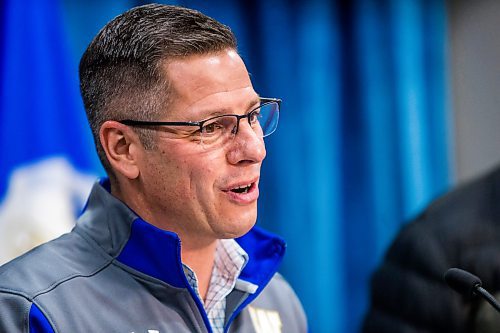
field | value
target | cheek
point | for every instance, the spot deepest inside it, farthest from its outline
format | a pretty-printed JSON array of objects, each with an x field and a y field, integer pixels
[
  {"x": 189, "y": 176},
  {"x": 203, "y": 177},
  {"x": 165, "y": 174}
]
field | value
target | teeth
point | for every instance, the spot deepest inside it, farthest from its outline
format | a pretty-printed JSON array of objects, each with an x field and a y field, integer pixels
[{"x": 242, "y": 189}]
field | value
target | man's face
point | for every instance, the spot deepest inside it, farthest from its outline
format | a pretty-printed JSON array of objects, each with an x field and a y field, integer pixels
[{"x": 189, "y": 188}]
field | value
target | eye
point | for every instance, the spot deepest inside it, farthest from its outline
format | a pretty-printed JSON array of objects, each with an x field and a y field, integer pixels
[
  {"x": 211, "y": 127},
  {"x": 253, "y": 117}
]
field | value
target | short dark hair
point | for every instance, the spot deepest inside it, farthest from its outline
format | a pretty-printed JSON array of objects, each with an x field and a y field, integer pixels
[{"x": 121, "y": 72}]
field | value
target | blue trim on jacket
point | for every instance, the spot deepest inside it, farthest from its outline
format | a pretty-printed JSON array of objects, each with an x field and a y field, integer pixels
[
  {"x": 154, "y": 252},
  {"x": 38, "y": 323},
  {"x": 157, "y": 253}
]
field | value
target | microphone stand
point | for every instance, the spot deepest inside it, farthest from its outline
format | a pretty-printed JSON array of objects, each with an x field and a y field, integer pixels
[{"x": 488, "y": 297}]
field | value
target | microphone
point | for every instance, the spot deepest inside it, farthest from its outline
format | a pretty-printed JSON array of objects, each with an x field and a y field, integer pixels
[{"x": 469, "y": 285}]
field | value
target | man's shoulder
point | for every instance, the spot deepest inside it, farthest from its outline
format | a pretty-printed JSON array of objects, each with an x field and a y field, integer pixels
[
  {"x": 278, "y": 281},
  {"x": 279, "y": 297},
  {"x": 468, "y": 209},
  {"x": 470, "y": 199},
  {"x": 280, "y": 288},
  {"x": 466, "y": 217},
  {"x": 48, "y": 265}
]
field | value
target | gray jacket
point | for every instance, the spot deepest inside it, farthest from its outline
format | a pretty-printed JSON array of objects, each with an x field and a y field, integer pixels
[{"x": 115, "y": 272}]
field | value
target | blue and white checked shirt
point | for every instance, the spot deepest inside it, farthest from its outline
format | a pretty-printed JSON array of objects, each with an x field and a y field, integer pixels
[{"x": 230, "y": 259}]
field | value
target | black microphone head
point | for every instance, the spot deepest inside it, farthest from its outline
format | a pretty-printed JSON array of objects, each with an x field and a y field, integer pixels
[{"x": 462, "y": 281}]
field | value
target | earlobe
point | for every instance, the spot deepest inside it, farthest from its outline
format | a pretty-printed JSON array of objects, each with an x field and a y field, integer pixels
[{"x": 119, "y": 143}]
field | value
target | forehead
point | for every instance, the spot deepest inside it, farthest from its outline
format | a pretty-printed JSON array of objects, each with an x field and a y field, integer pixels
[{"x": 205, "y": 81}]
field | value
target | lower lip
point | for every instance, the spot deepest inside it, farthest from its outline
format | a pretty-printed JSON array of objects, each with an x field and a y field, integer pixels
[{"x": 244, "y": 198}]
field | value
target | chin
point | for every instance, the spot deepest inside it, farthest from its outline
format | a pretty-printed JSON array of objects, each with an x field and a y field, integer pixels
[{"x": 235, "y": 229}]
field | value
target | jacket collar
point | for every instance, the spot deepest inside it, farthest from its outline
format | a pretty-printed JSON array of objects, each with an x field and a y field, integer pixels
[{"x": 130, "y": 240}]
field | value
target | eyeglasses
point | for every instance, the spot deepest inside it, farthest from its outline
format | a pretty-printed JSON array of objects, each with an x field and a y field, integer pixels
[{"x": 218, "y": 130}]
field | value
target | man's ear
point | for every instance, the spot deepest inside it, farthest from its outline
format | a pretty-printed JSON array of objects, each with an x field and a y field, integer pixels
[{"x": 122, "y": 147}]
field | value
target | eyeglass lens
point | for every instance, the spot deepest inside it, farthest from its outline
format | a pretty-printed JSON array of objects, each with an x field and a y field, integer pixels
[{"x": 263, "y": 120}]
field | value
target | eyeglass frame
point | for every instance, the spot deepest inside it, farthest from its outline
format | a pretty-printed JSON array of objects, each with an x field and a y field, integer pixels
[{"x": 263, "y": 100}]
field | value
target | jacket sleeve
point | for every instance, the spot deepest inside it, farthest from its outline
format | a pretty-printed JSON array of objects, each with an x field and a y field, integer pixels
[
  {"x": 297, "y": 313},
  {"x": 14, "y": 313},
  {"x": 17, "y": 314}
]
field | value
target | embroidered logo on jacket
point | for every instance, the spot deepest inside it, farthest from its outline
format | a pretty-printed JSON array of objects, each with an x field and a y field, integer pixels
[{"x": 265, "y": 321}]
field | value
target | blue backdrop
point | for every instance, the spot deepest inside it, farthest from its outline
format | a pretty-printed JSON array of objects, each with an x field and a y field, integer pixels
[{"x": 363, "y": 142}]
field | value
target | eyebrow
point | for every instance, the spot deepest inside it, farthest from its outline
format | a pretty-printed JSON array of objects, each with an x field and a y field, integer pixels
[{"x": 214, "y": 113}]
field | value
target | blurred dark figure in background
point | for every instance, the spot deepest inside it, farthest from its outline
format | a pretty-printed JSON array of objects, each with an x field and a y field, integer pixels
[{"x": 461, "y": 229}]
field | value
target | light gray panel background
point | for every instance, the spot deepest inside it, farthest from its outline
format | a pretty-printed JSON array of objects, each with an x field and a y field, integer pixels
[{"x": 474, "y": 31}]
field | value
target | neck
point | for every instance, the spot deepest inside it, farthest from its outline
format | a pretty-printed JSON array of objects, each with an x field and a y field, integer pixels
[
  {"x": 197, "y": 253},
  {"x": 201, "y": 260}
]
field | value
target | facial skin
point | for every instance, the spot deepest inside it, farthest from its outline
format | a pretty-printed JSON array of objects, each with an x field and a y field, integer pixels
[{"x": 184, "y": 187}]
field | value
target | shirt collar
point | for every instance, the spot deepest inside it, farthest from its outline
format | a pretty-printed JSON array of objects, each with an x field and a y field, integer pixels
[{"x": 156, "y": 252}]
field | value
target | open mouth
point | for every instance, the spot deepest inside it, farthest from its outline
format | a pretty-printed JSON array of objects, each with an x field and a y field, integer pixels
[
  {"x": 241, "y": 193},
  {"x": 242, "y": 189}
]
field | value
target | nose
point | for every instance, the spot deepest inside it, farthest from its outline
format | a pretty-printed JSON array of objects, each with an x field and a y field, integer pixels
[{"x": 247, "y": 146}]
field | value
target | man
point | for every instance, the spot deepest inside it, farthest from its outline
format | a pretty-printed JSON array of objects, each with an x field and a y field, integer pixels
[
  {"x": 179, "y": 129},
  {"x": 460, "y": 229}
]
